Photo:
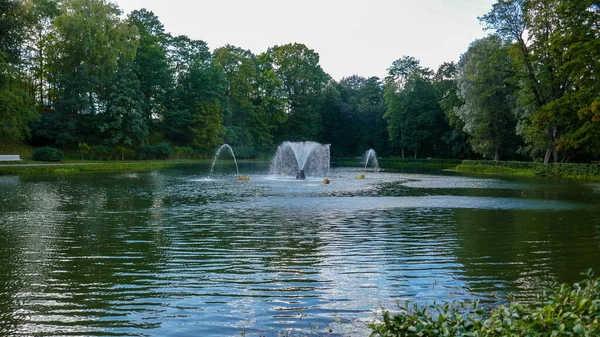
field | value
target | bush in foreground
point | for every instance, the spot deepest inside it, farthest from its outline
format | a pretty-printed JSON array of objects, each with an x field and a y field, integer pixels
[
  {"x": 47, "y": 153},
  {"x": 562, "y": 311}
]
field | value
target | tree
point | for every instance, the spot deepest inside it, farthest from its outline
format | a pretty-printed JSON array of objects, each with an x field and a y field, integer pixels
[
  {"x": 200, "y": 101},
  {"x": 336, "y": 121},
  {"x": 422, "y": 113},
  {"x": 371, "y": 109},
  {"x": 303, "y": 80},
  {"x": 207, "y": 126},
  {"x": 556, "y": 52},
  {"x": 16, "y": 110},
  {"x": 151, "y": 64},
  {"x": 353, "y": 116},
  {"x": 123, "y": 122},
  {"x": 254, "y": 112},
  {"x": 414, "y": 117},
  {"x": 484, "y": 82},
  {"x": 446, "y": 85},
  {"x": 38, "y": 38},
  {"x": 12, "y": 29},
  {"x": 90, "y": 41}
]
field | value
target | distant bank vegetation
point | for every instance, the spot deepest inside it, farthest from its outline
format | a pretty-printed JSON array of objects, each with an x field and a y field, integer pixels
[{"x": 79, "y": 72}]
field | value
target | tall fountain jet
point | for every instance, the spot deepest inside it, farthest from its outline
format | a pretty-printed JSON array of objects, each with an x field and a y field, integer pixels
[{"x": 301, "y": 159}]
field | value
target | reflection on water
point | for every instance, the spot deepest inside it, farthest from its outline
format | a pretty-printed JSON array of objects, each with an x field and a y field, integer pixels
[{"x": 181, "y": 253}]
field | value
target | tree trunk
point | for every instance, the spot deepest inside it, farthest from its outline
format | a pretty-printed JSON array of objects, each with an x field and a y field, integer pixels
[
  {"x": 547, "y": 156},
  {"x": 415, "y": 153},
  {"x": 531, "y": 73},
  {"x": 496, "y": 153},
  {"x": 403, "y": 152}
]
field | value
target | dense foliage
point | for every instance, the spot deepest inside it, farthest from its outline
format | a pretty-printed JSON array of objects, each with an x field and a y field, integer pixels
[
  {"x": 47, "y": 153},
  {"x": 563, "y": 311},
  {"x": 79, "y": 72}
]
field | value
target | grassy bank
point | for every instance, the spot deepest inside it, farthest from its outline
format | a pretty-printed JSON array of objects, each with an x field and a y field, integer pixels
[
  {"x": 75, "y": 167},
  {"x": 16, "y": 147},
  {"x": 575, "y": 171},
  {"x": 399, "y": 163}
]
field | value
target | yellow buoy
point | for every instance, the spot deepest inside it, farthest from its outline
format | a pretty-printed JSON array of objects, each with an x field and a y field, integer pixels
[
  {"x": 362, "y": 176},
  {"x": 326, "y": 181}
]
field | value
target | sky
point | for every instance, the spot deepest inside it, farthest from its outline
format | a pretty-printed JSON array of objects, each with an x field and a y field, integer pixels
[{"x": 352, "y": 37}]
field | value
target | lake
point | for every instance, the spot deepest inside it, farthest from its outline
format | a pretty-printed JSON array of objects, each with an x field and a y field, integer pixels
[{"x": 179, "y": 252}]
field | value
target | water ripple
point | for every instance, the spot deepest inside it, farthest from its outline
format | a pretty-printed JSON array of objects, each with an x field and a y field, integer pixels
[{"x": 172, "y": 254}]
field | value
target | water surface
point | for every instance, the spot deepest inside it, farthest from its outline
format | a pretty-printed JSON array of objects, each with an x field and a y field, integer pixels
[{"x": 172, "y": 253}]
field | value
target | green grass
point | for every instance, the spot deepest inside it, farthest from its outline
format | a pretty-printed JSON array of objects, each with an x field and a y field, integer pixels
[
  {"x": 399, "y": 163},
  {"x": 571, "y": 171},
  {"x": 495, "y": 170},
  {"x": 16, "y": 147},
  {"x": 95, "y": 167}
]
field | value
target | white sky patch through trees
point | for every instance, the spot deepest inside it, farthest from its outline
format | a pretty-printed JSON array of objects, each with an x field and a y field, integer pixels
[{"x": 351, "y": 36}]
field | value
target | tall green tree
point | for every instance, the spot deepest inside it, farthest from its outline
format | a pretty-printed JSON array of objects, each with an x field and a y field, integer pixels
[
  {"x": 15, "y": 104},
  {"x": 123, "y": 123},
  {"x": 91, "y": 39},
  {"x": 151, "y": 64},
  {"x": 446, "y": 85},
  {"x": 556, "y": 50},
  {"x": 303, "y": 81},
  {"x": 335, "y": 121},
  {"x": 195, "y": 116},
  {"x": 414, "y": 117},
  {"x": 353, "y": 116},
  {"x": 12, "y": 30},
  {"x": 208, "y": 117},
  {"x": 38, "y": 38},
  {"x": 255, "y": 108},
  {"x": 484, "y": 80}
]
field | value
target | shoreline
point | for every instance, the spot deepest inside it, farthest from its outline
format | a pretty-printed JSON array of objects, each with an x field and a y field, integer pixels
[{"x": 589, "y": 172}]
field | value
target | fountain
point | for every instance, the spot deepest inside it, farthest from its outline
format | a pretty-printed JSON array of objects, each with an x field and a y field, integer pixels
[
  {"x": 212, "y": 168},
  {"x": 301, "y": 159},
  {"x": 371, "y": 155}
]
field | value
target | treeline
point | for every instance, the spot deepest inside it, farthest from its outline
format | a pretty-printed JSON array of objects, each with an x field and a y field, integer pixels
[{"x": 76, "y": 72}]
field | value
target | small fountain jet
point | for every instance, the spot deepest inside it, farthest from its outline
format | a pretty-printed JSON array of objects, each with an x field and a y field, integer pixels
[{"x": 212, "y": 168}]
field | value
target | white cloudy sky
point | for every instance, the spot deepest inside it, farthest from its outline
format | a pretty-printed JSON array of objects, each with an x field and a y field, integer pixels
[{"x": 351, "y": 36}]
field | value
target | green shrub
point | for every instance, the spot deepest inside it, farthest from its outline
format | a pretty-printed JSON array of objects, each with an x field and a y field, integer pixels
[
  {"x": 84, "y": 149},
  {"x": 563, "y": 311},
  {"x": 101, "y": 152},
  {"x": 184, "y": 152},
  {"x": 47, "y": 153},
  {"x": 121, "y": 151},
  {"x": 245, "y": 152},
  {"x": 163, "y": 150},
  {"x": 145, "y": 153}
]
